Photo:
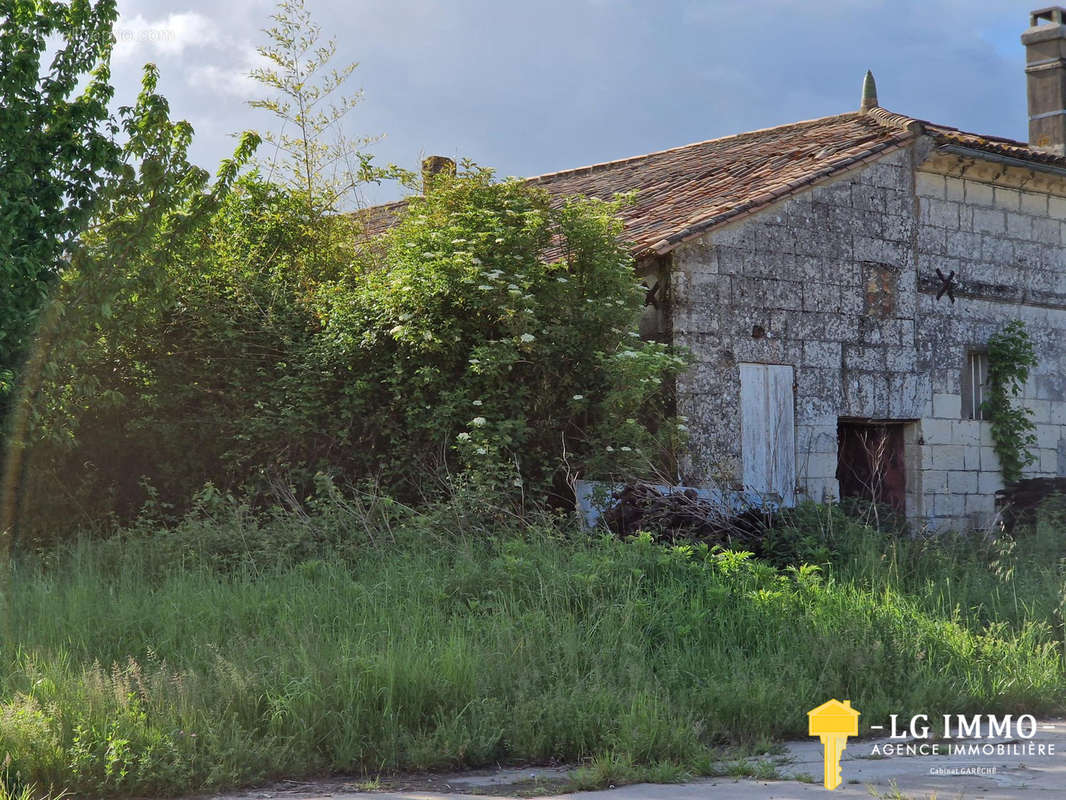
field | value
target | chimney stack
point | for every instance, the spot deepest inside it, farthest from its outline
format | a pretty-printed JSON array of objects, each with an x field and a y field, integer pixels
[
  {"x": 435, "y": 165},
  {"x": 1045, "y": 71}
]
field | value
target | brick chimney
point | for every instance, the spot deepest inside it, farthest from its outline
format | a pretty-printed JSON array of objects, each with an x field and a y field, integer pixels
[
  {"x": 1045, "y": 71},
  {"x": 436, "y": 165}
]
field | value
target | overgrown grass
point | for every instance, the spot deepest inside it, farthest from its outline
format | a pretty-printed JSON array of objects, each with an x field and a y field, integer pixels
[
  {"x": 978, "y": 579},
  {"x": 364, "y": 640}
]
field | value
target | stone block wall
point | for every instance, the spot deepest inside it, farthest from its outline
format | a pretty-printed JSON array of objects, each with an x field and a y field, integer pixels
[
  {"x": 1003, "y": 233},
  {"x": 803, "y": 276},
  {"x": 838, "y": 282}
]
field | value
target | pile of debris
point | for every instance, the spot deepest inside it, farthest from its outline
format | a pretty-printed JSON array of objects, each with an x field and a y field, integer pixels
[
  {"x": 682, "y": 516},
  {"x": 1020, "y": 502}
]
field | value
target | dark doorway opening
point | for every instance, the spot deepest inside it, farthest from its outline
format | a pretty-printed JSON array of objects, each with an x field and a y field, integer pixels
[{"x": 870, "y": 463}]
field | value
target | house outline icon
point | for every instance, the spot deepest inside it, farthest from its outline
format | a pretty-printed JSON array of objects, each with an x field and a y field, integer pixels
[
  {"x": 833, "y": 721},
  {"x": 836, "y": 710}
]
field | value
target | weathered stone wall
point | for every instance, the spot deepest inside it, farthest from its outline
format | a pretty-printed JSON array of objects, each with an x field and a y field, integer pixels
[
  {"x": 838, "y": 282},
  {"x": 1002, "y": 232}
]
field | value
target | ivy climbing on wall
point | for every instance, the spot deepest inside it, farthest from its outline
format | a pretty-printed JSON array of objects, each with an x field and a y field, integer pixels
[{"x": 1010, "y": 357}]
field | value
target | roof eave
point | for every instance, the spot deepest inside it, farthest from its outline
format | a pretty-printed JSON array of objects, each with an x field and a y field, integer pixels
[{"x": 1000, "y": 158}]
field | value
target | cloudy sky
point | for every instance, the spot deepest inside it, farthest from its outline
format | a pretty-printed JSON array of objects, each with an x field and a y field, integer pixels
[{"x": 532, "y": 86}]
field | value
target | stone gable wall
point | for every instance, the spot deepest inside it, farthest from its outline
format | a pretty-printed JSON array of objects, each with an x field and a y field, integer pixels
[{"x": 836, "y": 281}]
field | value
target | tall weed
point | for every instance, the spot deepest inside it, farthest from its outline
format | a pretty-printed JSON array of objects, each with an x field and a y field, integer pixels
[{"x": 174, "y": 660}]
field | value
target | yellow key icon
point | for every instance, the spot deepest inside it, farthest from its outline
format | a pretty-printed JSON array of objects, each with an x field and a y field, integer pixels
[{"x": 833, "y": 722}]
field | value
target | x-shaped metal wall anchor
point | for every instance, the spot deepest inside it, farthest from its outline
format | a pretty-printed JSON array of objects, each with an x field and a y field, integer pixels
[{"x": 947, "y": 285}]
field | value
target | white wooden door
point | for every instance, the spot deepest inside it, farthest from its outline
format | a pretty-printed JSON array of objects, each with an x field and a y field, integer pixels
[{"x": 768, "y": 431}]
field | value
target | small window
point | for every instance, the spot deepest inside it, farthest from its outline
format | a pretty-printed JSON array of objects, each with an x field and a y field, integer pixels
[{"x": 974, "y": 377}]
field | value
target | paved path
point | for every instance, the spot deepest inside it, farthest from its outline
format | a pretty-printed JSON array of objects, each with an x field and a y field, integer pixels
[{"x": 1016, "y": 772}]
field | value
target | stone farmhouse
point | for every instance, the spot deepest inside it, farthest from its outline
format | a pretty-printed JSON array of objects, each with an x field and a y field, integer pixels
[{"x": 837, "y": 281}]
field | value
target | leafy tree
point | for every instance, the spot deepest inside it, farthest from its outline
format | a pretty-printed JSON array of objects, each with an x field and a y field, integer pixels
[
  {"x": 319, "y": 167},
  {"x": 87, "y": 381},
  {"x": 306, "y": 96},
  {"x": 57, "y": 151}
]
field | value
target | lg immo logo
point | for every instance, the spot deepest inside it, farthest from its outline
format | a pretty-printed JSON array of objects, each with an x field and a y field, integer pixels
[
  {"x": 962, "y": 735},
  {"x": 833, "y": 722}
]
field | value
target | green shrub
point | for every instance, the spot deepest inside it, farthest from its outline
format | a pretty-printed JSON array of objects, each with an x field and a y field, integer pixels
[
  {"x": 489, "y": 340},
  {"x": 1011, "y": 355},
  {"x": 74, "y": 445},
  {"x": 499, "y": 340}
]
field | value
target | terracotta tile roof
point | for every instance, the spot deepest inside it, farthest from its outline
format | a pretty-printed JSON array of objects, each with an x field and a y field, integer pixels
[
  {"x": 685, "y": 191},
  {"x": 945, "y": 134},
  {"x": 378, "y": 219}
]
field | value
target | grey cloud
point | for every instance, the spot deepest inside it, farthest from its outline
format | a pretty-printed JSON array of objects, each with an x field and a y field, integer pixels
[{"x": 530, "y": 87}]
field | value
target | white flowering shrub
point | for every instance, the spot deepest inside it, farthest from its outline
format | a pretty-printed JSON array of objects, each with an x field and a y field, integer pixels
[
  {"x": 493, "y": 336},
  {"x": 489, "y": 340}
]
